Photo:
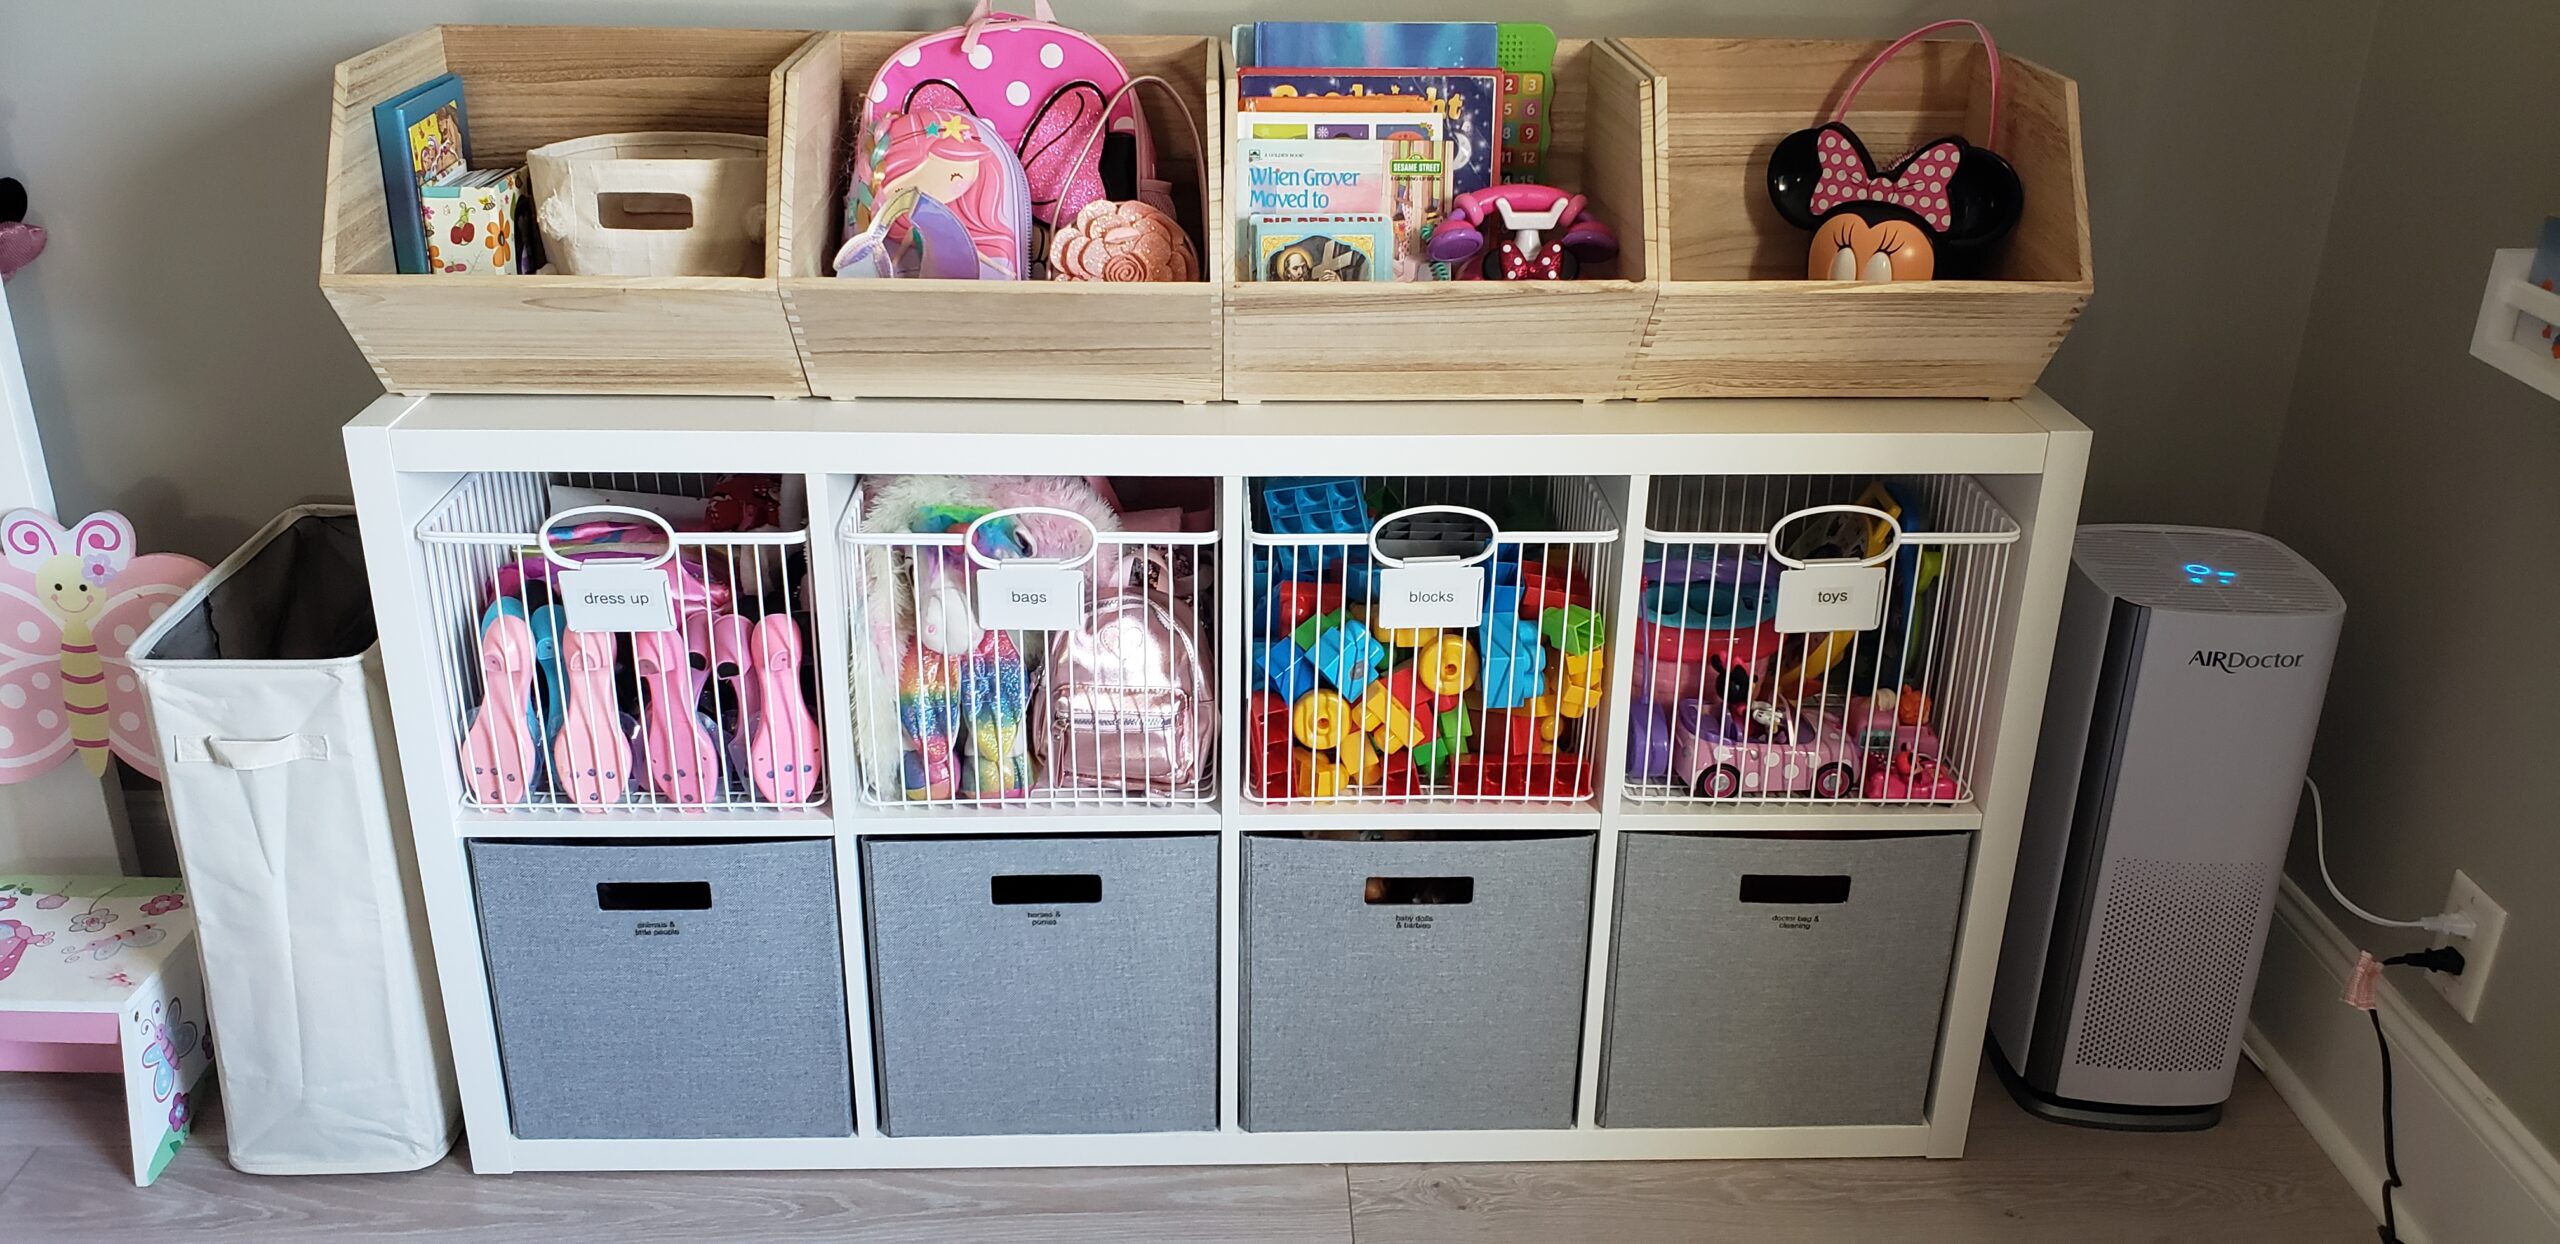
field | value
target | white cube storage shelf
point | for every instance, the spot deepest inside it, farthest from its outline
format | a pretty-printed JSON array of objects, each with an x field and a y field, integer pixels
[{"x": 1201, "y": 973}]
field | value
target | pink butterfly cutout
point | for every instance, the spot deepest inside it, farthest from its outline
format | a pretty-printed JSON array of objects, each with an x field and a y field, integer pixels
[{"x": 71, "y": 604}]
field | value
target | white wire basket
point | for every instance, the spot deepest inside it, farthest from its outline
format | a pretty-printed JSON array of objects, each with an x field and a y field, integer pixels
[
  {"x": 1736, "y": 701},
  {"x": 1102, "y": 696},
  {"x": 1428, "y": 639},
  {"x": 707, "y": 705}
]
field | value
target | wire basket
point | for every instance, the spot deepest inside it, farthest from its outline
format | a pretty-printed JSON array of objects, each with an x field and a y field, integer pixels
[
  {"x": 701, "y": 701},
  {"x": 1428, "y": 639},
  {"x": 1735, "y": 700},
  {"x": 1102, "y": 695}
]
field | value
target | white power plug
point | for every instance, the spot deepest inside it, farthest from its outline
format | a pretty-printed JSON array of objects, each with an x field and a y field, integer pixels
[{"x": 2487, "y": 921}]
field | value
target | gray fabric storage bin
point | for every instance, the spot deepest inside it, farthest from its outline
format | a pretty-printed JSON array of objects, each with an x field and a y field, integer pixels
[
  {"x": 1040, "y": 985},
  {"x": 667, "y": 990},
  {"x": 1778, "y": 981},
  {"x": 1414, "y": 985}
]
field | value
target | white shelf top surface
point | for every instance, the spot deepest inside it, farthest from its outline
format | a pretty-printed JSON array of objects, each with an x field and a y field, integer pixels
[{"x": 1775, "y": 435}]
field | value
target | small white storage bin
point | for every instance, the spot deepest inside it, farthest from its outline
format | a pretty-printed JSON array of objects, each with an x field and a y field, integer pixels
[
  {"x": 717, "y": 711},
  {"x": 1493, "y": 696},
  {"x": 1730, "y": 707},
  {"x": 657, "y": 990},
  {"x": 1430, "y": 982},
  {"x": 968, "y": 693},
  {"x": 1041, "y": 985},
  {"x": 1778, "y": 980}
]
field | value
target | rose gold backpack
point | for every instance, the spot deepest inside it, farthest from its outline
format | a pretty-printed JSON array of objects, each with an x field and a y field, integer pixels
[{"x": 1127, "y": 703}]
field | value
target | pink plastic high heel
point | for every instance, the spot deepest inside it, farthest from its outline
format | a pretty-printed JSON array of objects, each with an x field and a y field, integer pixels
[
  {"x": 782, "y": 750},
  {"x": 498, "y": 750},
  {"x": 684, "y": 764},
  {"x": 591, "y": 758},
  {"x": 733, "y": 660}
]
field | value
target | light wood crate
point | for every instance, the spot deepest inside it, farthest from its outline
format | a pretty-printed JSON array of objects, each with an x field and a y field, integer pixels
[
  {"x": 1477, "y": 339},
  {"x": 524, "y": 86},
  {"x": 996, "y": 339},
  {"x": 1735, "y": 318}
]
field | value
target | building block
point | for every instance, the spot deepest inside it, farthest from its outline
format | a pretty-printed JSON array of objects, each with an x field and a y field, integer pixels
[
  {"x": 1347, "y": 656},
  {"x": 1514, "y": 664},
  {"x": 1322, "y": 718},
  {"x": 1571, "y": 629},
  {"x": 1311, "y": 505},
  {"x": 1282, "y": 668}
]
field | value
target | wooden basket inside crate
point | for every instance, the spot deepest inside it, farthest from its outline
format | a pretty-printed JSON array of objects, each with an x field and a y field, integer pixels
[
  {"x": 1477, "y": 339},
  {"x": 524, "y": 86},
  {"x": 1736, "y": 316},
  {"x": 996, "y": 339}
]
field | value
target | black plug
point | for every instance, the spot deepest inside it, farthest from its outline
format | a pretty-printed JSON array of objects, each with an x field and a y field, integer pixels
[{"x": 2443, "y": 959}]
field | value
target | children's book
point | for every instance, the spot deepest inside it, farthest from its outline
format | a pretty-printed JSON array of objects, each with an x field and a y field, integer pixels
[
  {"x": 1298, "y": 174},
  {"x": 1417, "y": 164},
  {"x": 424, "y": 141},
  {"x": 1467, "y": 100},
  {"x": 1321, "y": 248},
  {"x": 471, "y": 222},
  {"x": 1427, "y": 45}
]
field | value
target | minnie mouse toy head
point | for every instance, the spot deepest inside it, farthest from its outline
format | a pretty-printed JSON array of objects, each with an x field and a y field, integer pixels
[
  {"x": 1551, "y": 235},
  {"x": 1937, "y": 213}
]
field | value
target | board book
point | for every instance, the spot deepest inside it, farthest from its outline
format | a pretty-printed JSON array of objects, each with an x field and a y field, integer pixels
[{"x": 1352, "y": 247}]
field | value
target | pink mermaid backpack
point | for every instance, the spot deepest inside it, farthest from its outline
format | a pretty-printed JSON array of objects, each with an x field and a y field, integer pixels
[
  {"x": 1044, "y": 87},
  {"x": 1126, "y": 703}
]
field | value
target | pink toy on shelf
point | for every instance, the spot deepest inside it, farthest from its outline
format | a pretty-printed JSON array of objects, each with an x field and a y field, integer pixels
[
  {"x": 782, "y": 748},
  {"x": 1534, "y": 215},
  {"x": 498, "y": 749},
  {"x": 591, "y": 759},
  {"x": 73, "y": 601},
  {"x": 684, "y": 763},
  {"x": 1908, "y": 774}
]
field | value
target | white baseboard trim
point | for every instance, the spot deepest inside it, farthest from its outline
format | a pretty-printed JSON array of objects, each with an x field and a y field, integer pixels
[{"x": 2469, "y": 1168}]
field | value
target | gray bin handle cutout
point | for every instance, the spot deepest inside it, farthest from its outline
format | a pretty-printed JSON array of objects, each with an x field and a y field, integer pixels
[
  {"x": 1794, "y": 889},
  {"x": 653, "y": 896},
  {"x": 1418, "y": 891},
  {"x": 1044, "y": 889}
]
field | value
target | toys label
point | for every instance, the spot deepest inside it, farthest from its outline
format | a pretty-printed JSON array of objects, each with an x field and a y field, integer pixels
[
  {"x": 617, "y": 598},
  {"x": 1030, "y": 598},
  {"x": 1430, "y": 596},
  {"x": 1840, "y": 597}
]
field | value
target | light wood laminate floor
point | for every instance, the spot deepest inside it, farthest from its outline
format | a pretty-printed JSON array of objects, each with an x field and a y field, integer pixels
[{"x": 2258, "y": 1177}]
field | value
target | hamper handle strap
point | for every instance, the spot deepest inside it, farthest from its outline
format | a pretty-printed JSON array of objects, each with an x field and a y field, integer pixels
[
  {"x": 1991, "y": 53},
  {"x": 248, "y": 754}
]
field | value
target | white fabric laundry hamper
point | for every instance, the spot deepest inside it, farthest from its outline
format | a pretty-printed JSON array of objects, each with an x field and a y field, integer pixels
[{"x": 266, "y": 688}]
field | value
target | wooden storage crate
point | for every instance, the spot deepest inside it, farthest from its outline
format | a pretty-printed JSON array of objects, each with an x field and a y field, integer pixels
[
  {"x": 1477, "y": 339},
  {"x": 1736, "y": 318},
  {"x": 524, "y": 86},
  {"x": 998, "y": 339}
]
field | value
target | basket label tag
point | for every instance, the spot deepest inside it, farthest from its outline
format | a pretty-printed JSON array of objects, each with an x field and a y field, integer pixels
[
  {"x": 1430, "y": 596},
  {"x": 1841, "y": 597},
  {"x": 616, "y": 598},
  {"x": 1030, "y": 598}
]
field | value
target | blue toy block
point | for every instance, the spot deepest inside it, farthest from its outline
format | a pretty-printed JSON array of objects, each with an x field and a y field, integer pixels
[
  {"x": 1283, "y": 669},
  {"x": 1347, "y": 656},
  {"x": 1315, "y": 505},
  {"x": 1515, "y": 663},
  {"x": 1501, "y": 592}
]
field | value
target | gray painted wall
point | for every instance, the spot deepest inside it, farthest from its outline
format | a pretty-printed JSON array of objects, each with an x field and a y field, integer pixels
[
  {"x": 187, "y": 370},
  {"x": 2423, "y": 482}
]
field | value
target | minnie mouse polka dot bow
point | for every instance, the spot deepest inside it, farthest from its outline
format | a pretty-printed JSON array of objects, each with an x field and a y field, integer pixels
[{"x": 1921, "y": 185}]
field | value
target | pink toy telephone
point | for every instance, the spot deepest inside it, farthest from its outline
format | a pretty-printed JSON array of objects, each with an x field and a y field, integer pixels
[{"x": 1532, "y": 214}]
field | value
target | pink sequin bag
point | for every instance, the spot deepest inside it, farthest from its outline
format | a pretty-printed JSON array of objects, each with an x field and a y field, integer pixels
[
  {"x": 1126, "y": 703},
  {"x": 1045, "y": 88}
]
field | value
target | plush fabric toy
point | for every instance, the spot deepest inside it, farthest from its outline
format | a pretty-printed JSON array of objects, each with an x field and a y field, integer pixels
[{"x": 20, "y": 242}]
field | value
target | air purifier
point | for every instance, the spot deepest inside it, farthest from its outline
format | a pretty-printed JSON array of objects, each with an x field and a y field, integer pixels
[{"x": 2187, "y": 680}]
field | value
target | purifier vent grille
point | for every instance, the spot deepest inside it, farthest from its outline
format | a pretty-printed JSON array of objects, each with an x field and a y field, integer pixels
[{"x": 2175, "y": 943}]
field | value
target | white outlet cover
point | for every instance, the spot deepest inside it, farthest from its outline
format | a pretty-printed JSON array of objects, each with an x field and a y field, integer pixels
[{"x": 2479, "y": 951}]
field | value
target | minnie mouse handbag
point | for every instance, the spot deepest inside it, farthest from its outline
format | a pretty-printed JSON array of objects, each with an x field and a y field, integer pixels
[{"x": 1935, "y": 214}]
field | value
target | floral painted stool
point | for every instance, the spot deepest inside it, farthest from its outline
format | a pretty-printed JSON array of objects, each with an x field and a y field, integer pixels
[{"x": 100, "y": 974}]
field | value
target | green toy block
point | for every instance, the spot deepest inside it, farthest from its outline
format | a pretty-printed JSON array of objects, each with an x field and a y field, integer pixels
[
  {"x": 1436, "y": 755},
  {"x": 1573, "y": 629},
  {"x": 1314, "y": 628},
  {"x": 1455, "y": 727}
]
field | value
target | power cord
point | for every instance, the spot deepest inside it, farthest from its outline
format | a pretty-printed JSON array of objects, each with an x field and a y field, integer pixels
[
  {"x": 2450, "y": 924},
  {"x": 2390, "y": 1228}
]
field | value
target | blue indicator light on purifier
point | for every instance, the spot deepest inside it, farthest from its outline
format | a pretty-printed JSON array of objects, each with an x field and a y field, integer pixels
[
  {"x": 2198, "y": 572},
  {"x": 2198, "y": 568}
]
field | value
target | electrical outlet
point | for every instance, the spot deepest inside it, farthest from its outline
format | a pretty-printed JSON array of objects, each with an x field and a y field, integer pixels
[{"x": 2479, "y": 951}]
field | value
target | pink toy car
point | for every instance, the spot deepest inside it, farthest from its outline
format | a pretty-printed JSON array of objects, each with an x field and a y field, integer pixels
[{"x": 1765, "y": 750}]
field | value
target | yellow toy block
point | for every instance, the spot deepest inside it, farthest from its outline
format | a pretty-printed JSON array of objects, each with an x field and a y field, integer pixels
[
  {"x": 1449, "y": 665},
  {"x": 1362, "y": 754},
  {"x": 1585, "y": 667},
  {"x": 1321, "y": 719},
  {"x": 1318, "y": 777},
  {"x": 1386, "y": 717}
]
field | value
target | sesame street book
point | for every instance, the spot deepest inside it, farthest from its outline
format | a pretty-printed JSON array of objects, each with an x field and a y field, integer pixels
[{"x": 1468, "y": 101}]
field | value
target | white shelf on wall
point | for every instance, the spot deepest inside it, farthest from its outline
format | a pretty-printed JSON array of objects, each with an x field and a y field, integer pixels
[
  {"x": 2509, "y": 298},
  {"x": 407, "y": 453}
]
